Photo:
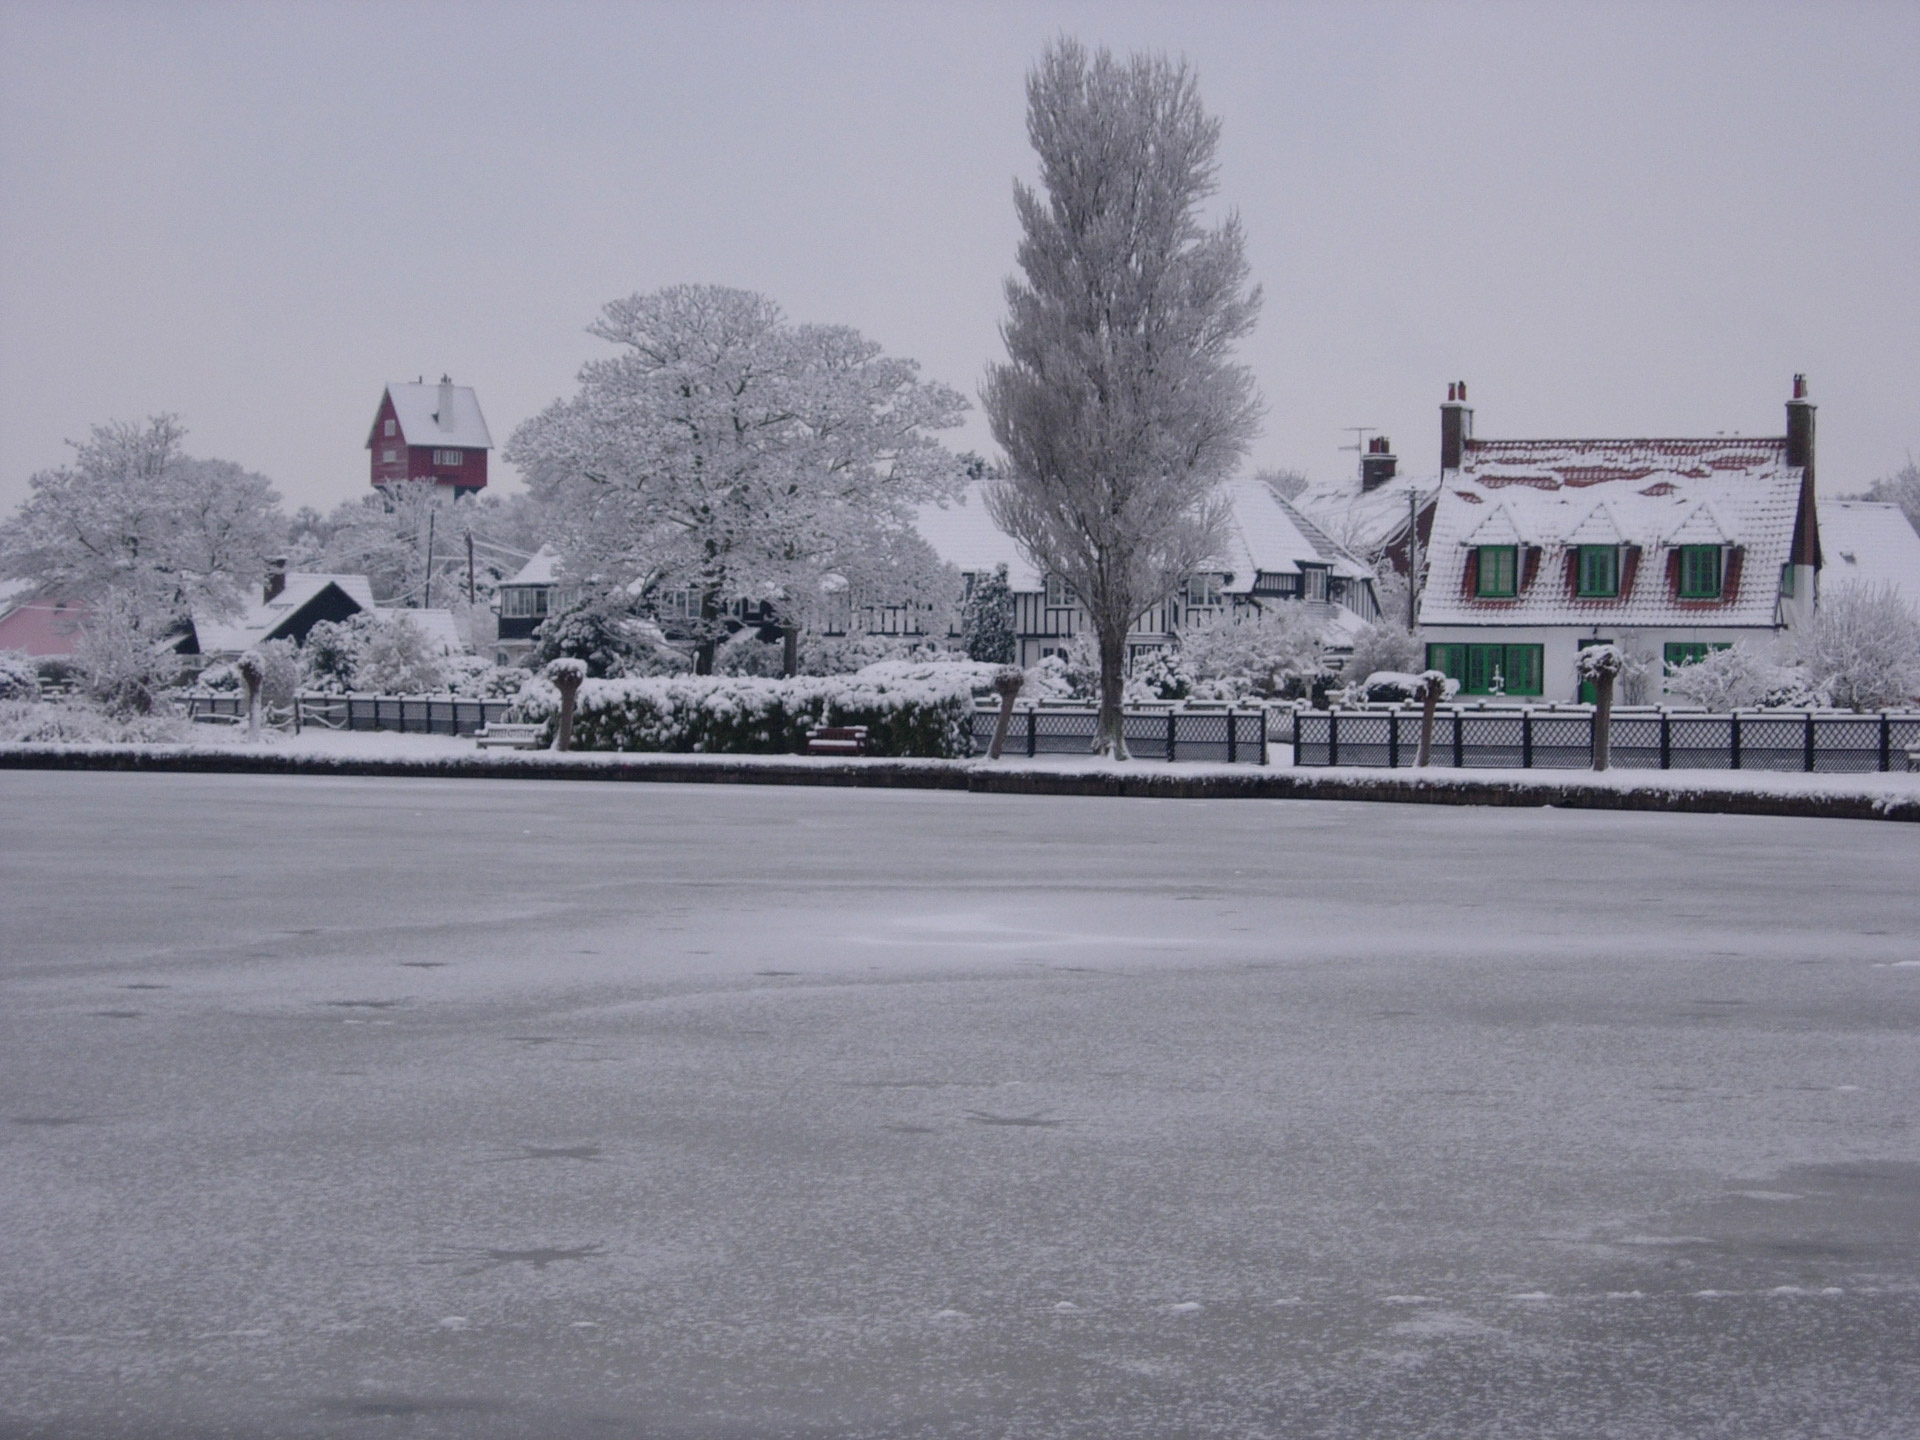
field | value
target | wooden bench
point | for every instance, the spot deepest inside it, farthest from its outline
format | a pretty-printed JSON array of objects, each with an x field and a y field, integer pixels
[
  {"x": 514, "y": 737},
  {"x": 837, "y": 740},
  {"x": 1913, "y": 758}
]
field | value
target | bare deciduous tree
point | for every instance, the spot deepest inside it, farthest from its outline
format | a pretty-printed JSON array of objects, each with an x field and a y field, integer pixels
[{"x": 1120, "y": 407}]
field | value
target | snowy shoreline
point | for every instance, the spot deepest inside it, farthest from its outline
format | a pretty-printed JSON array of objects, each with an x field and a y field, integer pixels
[{"x": 1894, "y": 796}]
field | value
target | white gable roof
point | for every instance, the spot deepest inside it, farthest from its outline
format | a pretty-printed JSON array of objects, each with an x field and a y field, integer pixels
[
  {"x": 1657, "y": 494},
  {"x": 418, "y": 405},
  {"x": 1870, "y": 542},
  {"x": 963, "y": 534},
  {"x": 262, "y": 618},
  {"x": 540, "y": 570}
]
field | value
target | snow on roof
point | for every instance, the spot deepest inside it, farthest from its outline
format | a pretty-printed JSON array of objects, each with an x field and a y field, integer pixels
[
  {"x": 540, "y": 570},
  {"x": 1872, "y": 542},
  {"x": 264, "y": 619},
  {"x": 963, "y": 534},
  {"x": 418, "y": 405},
  {"x": 1267, "y": 535},
  {"x": 439, "y": 626},
  {"x": 1264, "y": 534},
  {"x": 1653, "y": 494},
  {"x": 1364, "y": 521}
]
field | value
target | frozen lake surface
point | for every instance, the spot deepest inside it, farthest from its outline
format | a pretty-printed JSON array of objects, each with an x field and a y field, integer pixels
[{"x": 432, "y": 1108}]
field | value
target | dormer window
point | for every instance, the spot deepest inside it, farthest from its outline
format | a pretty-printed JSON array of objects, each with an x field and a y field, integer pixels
[
  {"x": 1700, "y": 572},
  {"x": 1059, "y": 593},
  {"x": 1496, "y": 572},
  {"x": 1599, "y": 575}
]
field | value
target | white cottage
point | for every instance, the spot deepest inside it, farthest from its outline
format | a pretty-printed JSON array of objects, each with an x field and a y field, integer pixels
[{"x": 1667, "y": 548}]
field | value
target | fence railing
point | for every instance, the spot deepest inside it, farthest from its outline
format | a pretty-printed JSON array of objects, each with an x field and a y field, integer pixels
[
  {"x": 1835, "y": 742},
  {"x": 410, "y": 714},
  {"x": 1236, "y": 737}
]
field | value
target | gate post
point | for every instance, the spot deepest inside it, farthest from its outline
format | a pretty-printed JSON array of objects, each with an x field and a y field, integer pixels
[
  {"x": 1233, "y": 737},
  {"x": 1809, "y": 742},
  {"x": 1666, "y": 739},
  {"x": 1030, "y": 735},
  {"x": 1393, "y": 738},
  {"x": 1173, "y": 721},
  {"x": 1526, "y": 738},
  {"x": 1459, "y": 739},
  {"x": 1333, "y": 737},
  {"x": 1733, "y": 737},
  {"x": 1886, "y": 742}
]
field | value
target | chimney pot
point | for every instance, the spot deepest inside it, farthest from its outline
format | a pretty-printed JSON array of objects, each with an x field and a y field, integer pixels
[{"x": 444, "y": 416}]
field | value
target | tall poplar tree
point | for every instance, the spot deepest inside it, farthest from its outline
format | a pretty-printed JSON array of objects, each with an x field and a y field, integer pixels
[{"x": 1120, "y": 407}]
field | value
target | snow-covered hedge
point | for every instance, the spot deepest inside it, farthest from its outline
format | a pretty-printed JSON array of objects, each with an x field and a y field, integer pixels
[{"x": 908, "y": 709}]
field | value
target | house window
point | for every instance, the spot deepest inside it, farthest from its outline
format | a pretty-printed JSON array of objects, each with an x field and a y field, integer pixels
[
  {"x": 1489, "y": 669},
  {"x": 1691, "y": 652},
  {"x": 1496, "y": 572},
  {"x": 523, "y": 602},
  {"x": 388, "y": 432},
  {"x": 1786, "y": 581},
  {"x": 1059, "y": 593},
  {"x": 1313, "y": 582},
  {"x": 1203, "y": 590},
  {"x": 1599, "y": 571},
  {"x": 1699, "y": 572},
  {"x": 448, "y": 457},
  {"x": 388, "y": 456}
]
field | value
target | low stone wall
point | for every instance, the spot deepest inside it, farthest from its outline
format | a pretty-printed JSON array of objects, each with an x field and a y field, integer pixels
[{"x": 1643, "y": 792}]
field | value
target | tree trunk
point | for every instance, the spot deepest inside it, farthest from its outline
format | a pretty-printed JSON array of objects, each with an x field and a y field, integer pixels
[
  {"x": 790, "y": 650},
  {"x": 1008, "y": 683},
  {"x": 1429, "y": 699},
  {"x": 703, "y": 657},
  {"x": 1602, "y": 720},
  {"x": 1109, "y": 731},
  {"x": 569, "y": 688}
]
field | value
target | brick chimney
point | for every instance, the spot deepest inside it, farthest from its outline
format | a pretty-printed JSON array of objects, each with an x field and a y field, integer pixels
[
  {"x": 276, "y": 580},
  {"x": 1456, "y": 426},
  {"x": 1806, "y": 528},
  {"x": 1378, "y": 465},
  {"x": 443, "y": 417}
]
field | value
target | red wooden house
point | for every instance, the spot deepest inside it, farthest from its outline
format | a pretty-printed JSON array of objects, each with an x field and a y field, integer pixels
[{"x": 430, "y": 432}]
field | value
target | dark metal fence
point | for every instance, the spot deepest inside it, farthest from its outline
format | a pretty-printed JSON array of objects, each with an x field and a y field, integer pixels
[
  {"x": 1825, "y": 741},
  {"x": 410, "y": 714},
  {"x": 1236, "y": 737}
]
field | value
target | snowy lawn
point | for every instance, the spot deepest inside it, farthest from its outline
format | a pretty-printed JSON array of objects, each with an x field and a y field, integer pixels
[{"x": 478, "y": 1108}]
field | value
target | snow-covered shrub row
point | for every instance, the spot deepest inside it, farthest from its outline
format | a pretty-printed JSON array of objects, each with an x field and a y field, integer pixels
[
  {"x": 909, "y": 708},
  {"x": 79, "y": 721},
  {"x": 19, "y": 676}
]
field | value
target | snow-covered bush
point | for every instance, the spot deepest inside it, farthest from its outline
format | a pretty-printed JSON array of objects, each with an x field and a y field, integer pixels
[
  {"x": 19, "y": 676},
  {"x": 396, "y": 657},
  {"x": 1862, "y": 649},
  {"x": 81, "y": 722},
  {"x": 1163, "y": 675},
  {"x": 1385, "y": 645},
  {"x": 908, "y": 709},
  {"x": 844, "y": 654},
  {"x": 331, "y": 652},
  {"x": 1275, "y": 651},
  {"x": 1741, "y": 677},
  {"x": 745, "y": 653},
  {"x": 1401, "y": 687},
  {"x": 121, "y": 665},
  {"x": 478, "y": 677},
  {"x": 601, "y": 631}
]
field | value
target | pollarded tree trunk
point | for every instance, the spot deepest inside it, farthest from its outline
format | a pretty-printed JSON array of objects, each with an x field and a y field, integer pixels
[
  {"x": 1109, "y": 731},
  {"x": 1006, "y": 682},
  {"x": 790, "y": 650},
  {"x": 1603, "y": 720}
]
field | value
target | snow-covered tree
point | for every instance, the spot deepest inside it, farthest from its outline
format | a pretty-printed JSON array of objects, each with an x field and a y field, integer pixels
[
  {"x": 1385, "y": 645},
  {"x": 1120, "y": 407},
  {"x": 1270, "y": 652},
  {"x": 729, "y": 453},
  {"x": 19, "y": 676},
  {"x": 135, "y": 518},
  {"x": 410, "y": 540},
  {"x": 1286, "y": 483},
  {"x": 396, "y": 657},
  {"x": 1862, "y": 649},
  {"x": 1740, "y": 677},
  {"x": 987, "y": 622},
  {"x": 1901, "y": 488}
]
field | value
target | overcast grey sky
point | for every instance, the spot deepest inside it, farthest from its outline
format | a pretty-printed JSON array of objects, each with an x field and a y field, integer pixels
[{"x": 1609, "y": 219}]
